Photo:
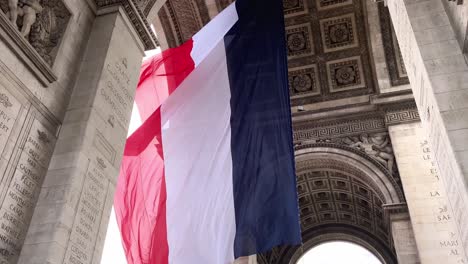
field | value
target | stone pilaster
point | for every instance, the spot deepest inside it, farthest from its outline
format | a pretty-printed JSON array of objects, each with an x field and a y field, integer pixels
[
  {"x": 70, "y": 219},
  {"x": 402, "y": 233},
  {"x": 437, "y": 233},
  {"x": 438, "y": 75}
]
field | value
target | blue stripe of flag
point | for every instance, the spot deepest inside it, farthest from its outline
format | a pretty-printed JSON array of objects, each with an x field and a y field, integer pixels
[{"x": 265, "y": 197}]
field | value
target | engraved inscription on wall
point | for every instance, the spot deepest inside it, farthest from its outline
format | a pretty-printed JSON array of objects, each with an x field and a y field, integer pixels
[
  {"x": 88, "y": 217},
  {"x": 23, "y": 191},
  {"x": 428, "y": 204},
  {"x": 115, "y": 93},
  {"x": 9, "y": 109}
]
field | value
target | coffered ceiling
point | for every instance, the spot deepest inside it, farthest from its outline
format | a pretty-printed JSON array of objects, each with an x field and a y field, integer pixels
[
  {"x": 327, "y": 50},
  {"x": 330, "y": 196}
]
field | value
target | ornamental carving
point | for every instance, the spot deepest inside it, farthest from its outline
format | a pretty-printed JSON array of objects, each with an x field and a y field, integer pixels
[
  {"x": 43, "y": 137},
  {"x": 327, "y": 130},
  {"x": 181, "y": 19},
  {"x": 346, "y": 74},
  {"x": 136, "y": 11},
  {"x": 294, "y": 7},
  {"x": 375, "y": 145},
  {"x": 303, "y": 81},
  {"x": 5, "y": 101},
  {"x": 41, "y": 22},
  {"x": 338, "y": 33},
  {"x": 402, "y": 113},
  {"x": 299, "y": 41}
]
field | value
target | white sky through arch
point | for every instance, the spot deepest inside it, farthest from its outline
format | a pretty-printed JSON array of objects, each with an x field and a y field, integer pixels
[{"x": 338, "y": 253}]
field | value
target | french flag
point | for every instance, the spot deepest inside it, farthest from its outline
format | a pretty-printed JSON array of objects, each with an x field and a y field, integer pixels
[{"x": 209, "y": 175}]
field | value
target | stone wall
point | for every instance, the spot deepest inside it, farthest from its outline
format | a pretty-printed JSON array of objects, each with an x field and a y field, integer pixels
[
  {"x": 66, "y": 94},
  {"x": 458, "y": 15},
  {"x": 437, "y": 234},
  {"x": 438, "y": 74},
  {"x": 70, "y": 220},
  {"x": 34, "y": 93}
]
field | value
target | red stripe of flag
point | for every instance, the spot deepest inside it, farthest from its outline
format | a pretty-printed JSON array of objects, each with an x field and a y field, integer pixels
[{"x": 140, "y": 198}]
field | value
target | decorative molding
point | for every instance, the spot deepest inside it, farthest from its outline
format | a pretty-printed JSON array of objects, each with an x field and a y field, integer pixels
[
  {"x": 345, "y": 74},
  {"x": 299, "y": 41},
  {"x": 181, "y": 19},
  {"x": 147, "y": 8},
  {"x": 295, "y": 7},
  {"x": 393, "y": 57},
  {"x": 398, "y": 208},
  {"x": 137, "y": 18},
  {"x": 303, "y": 81},
  {"x": 338, "y": 128},
  {"x": 404, "y": 113},
  {"x": 339, "y": 33}
]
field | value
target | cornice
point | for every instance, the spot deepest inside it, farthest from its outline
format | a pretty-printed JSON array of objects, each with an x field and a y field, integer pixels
[
  {"x": 399, "y": 208},
  {"x": 137, "y": 18}
]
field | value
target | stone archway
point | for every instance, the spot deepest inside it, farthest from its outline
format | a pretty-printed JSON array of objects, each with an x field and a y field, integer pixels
[{"x": 341, "y": 194}]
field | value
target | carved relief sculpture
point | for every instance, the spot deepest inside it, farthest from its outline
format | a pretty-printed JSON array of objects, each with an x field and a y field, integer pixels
[
  {"x": 41, "y": 22},
  {"x": 377, "y": 146},
  {"x": 28, "y": 10}
]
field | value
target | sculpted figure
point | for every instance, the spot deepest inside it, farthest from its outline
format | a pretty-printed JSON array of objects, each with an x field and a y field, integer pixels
[
  {"x": 28, "y": 9},
  {"x": 13, "y": 10},
  {"x": 378, "y": 147}
]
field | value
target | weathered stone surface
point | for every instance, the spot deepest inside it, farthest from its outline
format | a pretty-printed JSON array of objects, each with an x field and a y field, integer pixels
[
  {"x": 402, "y": 233},
  {"x": 77, "y": 191},
  {"x": 437, "y": 67},
  {"x": 436, "y": 230}
]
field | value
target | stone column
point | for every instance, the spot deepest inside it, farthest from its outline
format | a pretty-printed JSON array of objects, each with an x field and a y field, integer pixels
[
  {"x": 402, "y": 234},
  {"x": 439, "y": 80},
  {"x": 437, "y": 234},
  {"x": 70, "y": 219}
]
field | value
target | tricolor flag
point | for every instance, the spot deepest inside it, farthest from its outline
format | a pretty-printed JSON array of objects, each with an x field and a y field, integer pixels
[{"x": 209, "y": 175}]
